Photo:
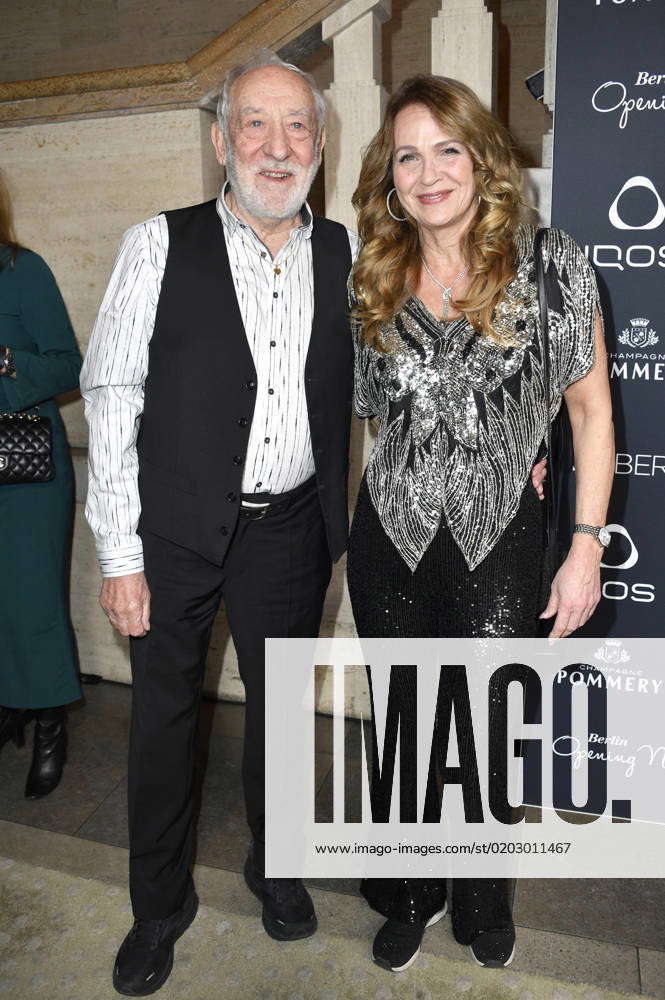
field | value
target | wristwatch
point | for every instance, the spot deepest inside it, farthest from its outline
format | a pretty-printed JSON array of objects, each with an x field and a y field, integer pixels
[
  {"x": 7, "y": 366},
  {"x": 601, "y": 535}
]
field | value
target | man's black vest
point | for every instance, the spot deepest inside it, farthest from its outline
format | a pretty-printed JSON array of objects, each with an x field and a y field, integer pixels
[{"x": 201, "y": 388}]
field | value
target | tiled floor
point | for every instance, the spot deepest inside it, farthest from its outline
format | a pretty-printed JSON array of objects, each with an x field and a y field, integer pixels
[{"x": 607, "y": 932}]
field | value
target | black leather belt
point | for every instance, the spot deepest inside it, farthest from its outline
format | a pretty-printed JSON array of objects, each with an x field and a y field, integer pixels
[{"x": 256, "y": 506}]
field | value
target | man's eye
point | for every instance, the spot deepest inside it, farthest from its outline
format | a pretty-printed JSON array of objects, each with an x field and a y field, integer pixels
[{"x": 256, "y": 122}]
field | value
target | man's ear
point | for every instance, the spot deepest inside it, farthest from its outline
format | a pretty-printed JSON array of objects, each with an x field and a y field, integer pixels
[
  {"x": 218, "y": 142},
  {"x": 322, "y": 142}
]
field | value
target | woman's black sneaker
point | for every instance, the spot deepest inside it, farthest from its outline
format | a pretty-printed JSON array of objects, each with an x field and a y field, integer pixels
[
  {"x": 494, "y": 949},
  {"x": 397, "y": 944}
]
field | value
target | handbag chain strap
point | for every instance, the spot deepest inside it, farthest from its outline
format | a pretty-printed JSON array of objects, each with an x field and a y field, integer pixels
[{"x": 22, "y": 415}]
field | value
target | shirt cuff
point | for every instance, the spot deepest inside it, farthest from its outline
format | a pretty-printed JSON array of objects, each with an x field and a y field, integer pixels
[{"x": 121, "y": 562}]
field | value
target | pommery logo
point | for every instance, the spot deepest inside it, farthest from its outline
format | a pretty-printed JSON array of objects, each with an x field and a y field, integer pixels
[
  {"x": 634, "y": 361},
  {"x": 612, "y": 652},
  {"x": 638, "y": 334}
]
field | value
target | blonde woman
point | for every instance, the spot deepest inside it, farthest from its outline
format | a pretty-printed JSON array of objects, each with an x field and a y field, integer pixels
[{"x": 447, "y": 533}]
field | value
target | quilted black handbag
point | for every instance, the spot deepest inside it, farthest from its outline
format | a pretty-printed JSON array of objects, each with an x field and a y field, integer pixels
[{"x": 26, "y": 448}]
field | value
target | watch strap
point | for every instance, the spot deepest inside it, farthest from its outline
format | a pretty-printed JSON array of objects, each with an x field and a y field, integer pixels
[{"x": 589, "y": 529}]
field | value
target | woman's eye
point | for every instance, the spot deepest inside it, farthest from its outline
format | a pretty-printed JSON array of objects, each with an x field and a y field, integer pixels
[
  {"x": 406, "y": 158},
  {"x": 450, "y": 149}
]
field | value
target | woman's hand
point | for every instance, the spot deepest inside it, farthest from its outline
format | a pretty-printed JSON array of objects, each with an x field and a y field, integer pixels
[
  {"x": 575, "y": 589},
  {"x": 538, "y": 474}
]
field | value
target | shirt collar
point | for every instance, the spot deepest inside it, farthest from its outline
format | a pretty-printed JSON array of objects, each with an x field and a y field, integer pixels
[{"x": 232, "y": 223}]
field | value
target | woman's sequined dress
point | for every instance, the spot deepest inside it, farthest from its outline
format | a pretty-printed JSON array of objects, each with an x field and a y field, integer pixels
[{"x": 446, "y": 538}]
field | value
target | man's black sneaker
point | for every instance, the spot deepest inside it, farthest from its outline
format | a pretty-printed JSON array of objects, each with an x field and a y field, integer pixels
[
  {"x": 494, "y": 949},
  {"x": 145, "y": 959},
  {"x": 288, "y": 910},
  {"x": 397, "y": 944}
]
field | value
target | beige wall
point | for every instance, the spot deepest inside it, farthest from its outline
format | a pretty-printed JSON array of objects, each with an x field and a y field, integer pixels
[{"x": 76, "y": 186}]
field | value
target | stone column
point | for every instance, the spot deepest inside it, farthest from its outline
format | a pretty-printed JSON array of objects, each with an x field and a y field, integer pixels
[
  {"x": 355, "y": 99},
  {"x": 463, "y": 46}
]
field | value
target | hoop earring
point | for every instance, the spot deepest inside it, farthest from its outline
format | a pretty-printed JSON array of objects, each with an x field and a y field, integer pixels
[{"x": 391, "y": 214}]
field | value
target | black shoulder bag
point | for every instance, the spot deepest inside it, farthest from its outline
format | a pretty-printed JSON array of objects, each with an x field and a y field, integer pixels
[{"x": 559, "y": 448}]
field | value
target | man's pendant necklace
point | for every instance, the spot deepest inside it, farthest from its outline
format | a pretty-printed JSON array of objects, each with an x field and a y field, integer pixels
[{"x": 446, "y": 291}]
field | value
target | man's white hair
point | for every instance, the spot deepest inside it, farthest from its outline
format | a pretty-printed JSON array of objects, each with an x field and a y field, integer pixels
[{"x": 266, "y": 57}]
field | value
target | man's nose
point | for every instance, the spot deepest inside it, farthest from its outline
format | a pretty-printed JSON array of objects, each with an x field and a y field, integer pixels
[{"x": 277, "y": 143}]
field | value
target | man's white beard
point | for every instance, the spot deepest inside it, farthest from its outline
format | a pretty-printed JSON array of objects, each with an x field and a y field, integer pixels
[{"x": 261, "y": 206}]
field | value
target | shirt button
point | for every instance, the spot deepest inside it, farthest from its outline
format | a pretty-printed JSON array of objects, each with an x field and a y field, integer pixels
[
  {"x": 250, "y": 384},
  {"x": 259, "y": 484},
  {"x": 271, "y": 392},
  {"x": 275, "y": 295},
  {"x": 263, "y": 253},
  {"x": 231, "y": 497},
  {"x": 278, "y": 270},
  {"x": 223, "y": 530},
  {"x": 266, "y": 440},
  {"x": 242, "y": 421},
  {"x": 273, "y": 343},
  {"x": 237, "y": 459}
]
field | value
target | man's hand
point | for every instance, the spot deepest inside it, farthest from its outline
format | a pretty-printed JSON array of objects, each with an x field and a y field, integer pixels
[
  {"x": 126, "y": 602},
  {"x": 538, "y": 474}
]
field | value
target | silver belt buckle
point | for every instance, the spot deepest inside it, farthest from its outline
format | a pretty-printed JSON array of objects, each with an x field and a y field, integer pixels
[{"x": 259, "y": 510}]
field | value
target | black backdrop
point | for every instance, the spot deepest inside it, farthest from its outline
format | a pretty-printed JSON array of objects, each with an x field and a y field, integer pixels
[{"x": 609, "y": 194}]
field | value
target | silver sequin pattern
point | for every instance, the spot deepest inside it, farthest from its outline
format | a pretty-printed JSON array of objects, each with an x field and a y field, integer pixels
[{"x": 461, "y": 419}]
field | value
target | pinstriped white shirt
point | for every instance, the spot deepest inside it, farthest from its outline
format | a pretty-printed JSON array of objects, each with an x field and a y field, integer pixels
[{"x": 276, "y": 300}]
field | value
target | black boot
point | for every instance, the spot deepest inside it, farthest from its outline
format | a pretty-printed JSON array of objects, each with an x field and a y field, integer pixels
[
  {"x": 50, "y": 752},
  {"x": 12, "y": 724}
]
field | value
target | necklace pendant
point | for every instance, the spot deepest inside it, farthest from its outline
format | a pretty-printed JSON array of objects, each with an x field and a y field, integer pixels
[{"x": 446, "y": 302}]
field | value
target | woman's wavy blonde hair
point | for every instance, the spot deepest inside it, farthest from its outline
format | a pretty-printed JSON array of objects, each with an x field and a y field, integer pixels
[{"x": 387, "y": 268}]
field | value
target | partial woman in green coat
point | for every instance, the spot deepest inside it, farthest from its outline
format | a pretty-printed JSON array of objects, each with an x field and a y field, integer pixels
[{"x": 39, "y": 358}]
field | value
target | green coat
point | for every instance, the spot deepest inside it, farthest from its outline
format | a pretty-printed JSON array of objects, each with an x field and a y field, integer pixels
[{"x": 38, "y": 665}]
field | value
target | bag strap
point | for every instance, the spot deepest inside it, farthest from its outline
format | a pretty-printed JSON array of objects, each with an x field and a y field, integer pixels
[
  {"x": 23, "y": 414},
  {"x": 551, "y": 493}
]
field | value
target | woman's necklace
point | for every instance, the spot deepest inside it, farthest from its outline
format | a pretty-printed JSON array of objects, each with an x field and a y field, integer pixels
[{"x": 445, "y": 290}]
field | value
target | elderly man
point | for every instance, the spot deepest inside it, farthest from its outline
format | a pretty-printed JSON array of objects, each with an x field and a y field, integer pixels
[{"x": 223, "y": 341}]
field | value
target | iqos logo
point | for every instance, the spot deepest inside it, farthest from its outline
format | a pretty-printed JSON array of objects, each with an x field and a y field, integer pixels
[
  {"x": 617, "y": 590},
  {"x": 628, "y": 563},
  {"x": 658, "y": 216}
]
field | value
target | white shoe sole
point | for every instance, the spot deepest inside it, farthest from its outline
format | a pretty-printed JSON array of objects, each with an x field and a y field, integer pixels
[
  {"x": 483, "y": 966},
  {"x": 432, "y": 920}
]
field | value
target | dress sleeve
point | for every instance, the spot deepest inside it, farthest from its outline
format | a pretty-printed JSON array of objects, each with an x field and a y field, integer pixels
[
  {"x": 573, "y": 336},
  {"x": 54, "y": 365}
]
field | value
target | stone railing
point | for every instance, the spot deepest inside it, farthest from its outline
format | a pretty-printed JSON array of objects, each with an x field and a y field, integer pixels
[{"x": 83, "y": 165}]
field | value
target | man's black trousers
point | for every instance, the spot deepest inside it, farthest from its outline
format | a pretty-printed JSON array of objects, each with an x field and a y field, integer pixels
[{"x": 273, "y": 583}]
